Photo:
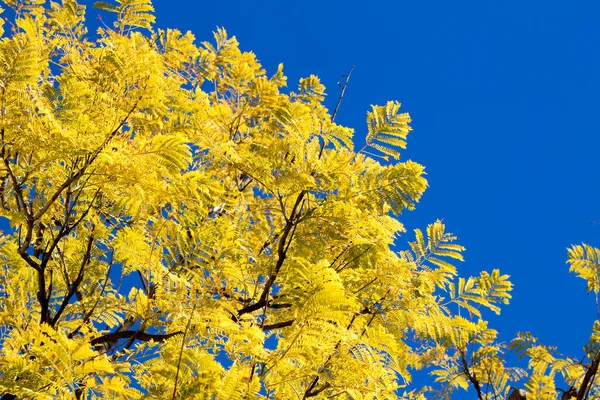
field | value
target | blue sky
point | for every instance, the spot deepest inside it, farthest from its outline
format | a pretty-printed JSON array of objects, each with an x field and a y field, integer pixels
[{"x": 504, "y": 98}]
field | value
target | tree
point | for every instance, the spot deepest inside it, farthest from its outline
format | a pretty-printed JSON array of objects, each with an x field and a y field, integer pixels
[{"x": 181, "y": 227}]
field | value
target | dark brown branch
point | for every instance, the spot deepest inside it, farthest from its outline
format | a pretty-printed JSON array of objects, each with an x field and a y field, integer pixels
[
  {"x": 313, "y": 393},
  {"x": 568, "y": 394},
  {"x": 145, "y": 283},
  {"x": 309, "y": 391},
  {"x": 42, "y": 297},
  {"x": 281, "y": 256},
  {"x": 22, "y": 205},
  {"x": 88, "y": 314},
  {"x": 279, "y": 305},
  {"x": 3, "y": 192},
  {"x": 472, "y": 378},
  {"x": 289, "y": 242},
  {"x": 39, "y": 239},
  {"x": 337, "y": 106},
  {"x": 339, "y": 256},
  {"x": 75, "y": 285},
  {"x": 29, "y": 260},
  {"x": 517, "y": 394},
  {"x": 59, "y": 191},
  {"x": 49, "y": 290},
  {"x": 373, "y": 315},
  {"x": 366, "y": 285},
  {"x": 87, "y": 211},
  {"x": 47, "y": 254},
  {"x": 6, "y": 177},
  {"x": 68, "y": 208},
  {"x": 277, "y": 325},
  {"x": 64, "y": 231},
  {"x": 268, "y": 243},
  {"x": 284, "y": 245},
  {"x": 589, "y": 375},
  {"x": 23, "y": 246},
  {"x": 142, "y": 336},
  {"x": 244, "y": 186}
]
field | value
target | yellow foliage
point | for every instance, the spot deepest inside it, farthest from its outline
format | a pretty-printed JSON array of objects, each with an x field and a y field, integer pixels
[{"x": 181, "y": 227}]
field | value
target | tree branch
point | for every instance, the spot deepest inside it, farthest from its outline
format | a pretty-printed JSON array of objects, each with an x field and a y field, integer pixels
[
  {"x": 75, "y": 285},
  {"x": 337, "y": 106},
  {"x": 277, "y": 325},
  {"x": 23, "y": 246},
  {"x": 279, "y": 305},
  {"x": 143, "y": 336},
  {"x": 281, "y": 256},
  {"x": 313, "y": 393},
  {"x": 470, "y": 377},
  {"x": 589, "y": 374},
  {"x": 42, "y": 297},
  {"x": 89, "y": 313}
]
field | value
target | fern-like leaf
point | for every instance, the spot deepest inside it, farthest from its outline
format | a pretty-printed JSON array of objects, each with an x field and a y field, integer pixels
[{"x": 388, "y": 127}]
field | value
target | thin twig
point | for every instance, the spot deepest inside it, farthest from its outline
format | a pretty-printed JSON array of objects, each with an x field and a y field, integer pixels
[
  {"x": 187, "y": 327},
  {"x": 354, "y": 259},
  {"x": 337, "y": 106}
]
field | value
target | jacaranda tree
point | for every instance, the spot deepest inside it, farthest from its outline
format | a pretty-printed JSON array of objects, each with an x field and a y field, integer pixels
[{"x": 177, "y": 225}]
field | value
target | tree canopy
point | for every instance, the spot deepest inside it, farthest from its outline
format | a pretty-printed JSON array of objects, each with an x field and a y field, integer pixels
[{"x": 180, "y": 226}]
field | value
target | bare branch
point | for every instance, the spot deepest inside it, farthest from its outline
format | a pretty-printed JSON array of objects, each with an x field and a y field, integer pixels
[
  {"x": 142, "y": 336},
  {"x": 277, "y": 325},
  {"x": 337, "y": 106}
]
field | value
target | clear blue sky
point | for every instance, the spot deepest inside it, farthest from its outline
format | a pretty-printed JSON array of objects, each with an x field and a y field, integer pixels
[{"x": 504, "y": 97}]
